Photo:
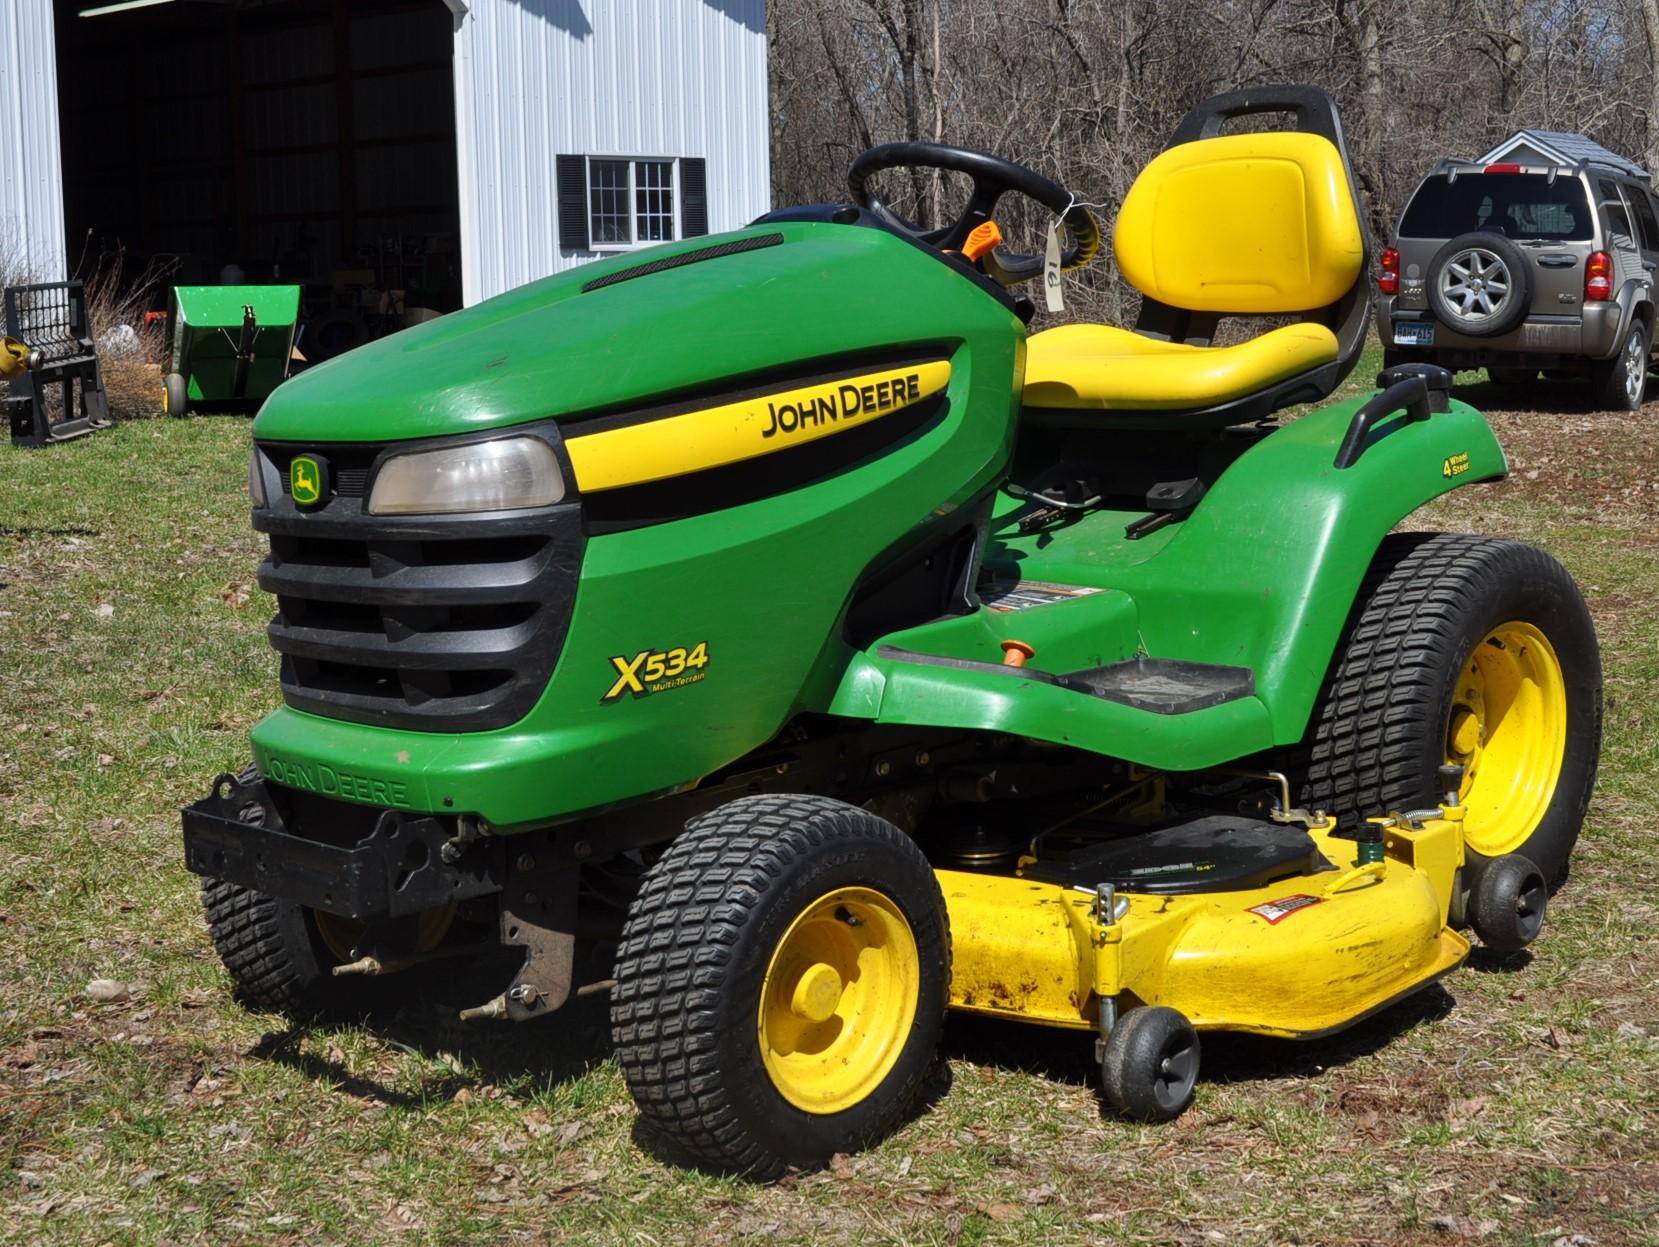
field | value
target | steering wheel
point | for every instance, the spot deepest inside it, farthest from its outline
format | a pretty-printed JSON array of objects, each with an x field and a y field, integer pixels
[{"x": 991, "y": 176}]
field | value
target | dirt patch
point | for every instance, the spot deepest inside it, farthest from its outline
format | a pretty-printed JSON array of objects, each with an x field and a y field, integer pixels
[{"x": 1602, "y": 466}]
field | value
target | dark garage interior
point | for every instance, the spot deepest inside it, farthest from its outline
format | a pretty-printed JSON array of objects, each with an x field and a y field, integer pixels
[{"x": 305, "y": 142}]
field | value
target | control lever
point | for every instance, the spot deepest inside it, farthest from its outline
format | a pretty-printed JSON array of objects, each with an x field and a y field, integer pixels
[{"x": 1168, "y": 501}]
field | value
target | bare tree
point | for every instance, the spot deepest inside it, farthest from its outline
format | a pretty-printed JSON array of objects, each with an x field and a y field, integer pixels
[{"x": 1089, "y": 90}]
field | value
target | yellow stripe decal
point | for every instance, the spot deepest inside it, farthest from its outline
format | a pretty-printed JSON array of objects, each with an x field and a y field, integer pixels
[{"x": 733, "y": 432}]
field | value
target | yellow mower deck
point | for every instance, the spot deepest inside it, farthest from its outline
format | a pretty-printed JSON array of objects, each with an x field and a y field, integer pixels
[{"x": 1300, "y": 957}]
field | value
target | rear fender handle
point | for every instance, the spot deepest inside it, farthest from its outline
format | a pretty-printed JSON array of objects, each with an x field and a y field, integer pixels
[{"x": 1417, "y": 390}]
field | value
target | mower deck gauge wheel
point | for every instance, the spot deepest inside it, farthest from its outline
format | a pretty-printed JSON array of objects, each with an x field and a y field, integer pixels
[
  {"x": 1150, "y": 1067},
  {"x": 1508, "y": 903}
]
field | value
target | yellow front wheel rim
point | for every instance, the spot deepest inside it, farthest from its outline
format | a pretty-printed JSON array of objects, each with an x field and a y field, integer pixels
[
  {"x": 342, "y": 935},
  {"x": 1508, "y": 729},
  {"x": 839, "y": 1000}
]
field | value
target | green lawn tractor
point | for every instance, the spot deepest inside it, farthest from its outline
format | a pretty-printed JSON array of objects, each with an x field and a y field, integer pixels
[{"x": 770, "y": 616}]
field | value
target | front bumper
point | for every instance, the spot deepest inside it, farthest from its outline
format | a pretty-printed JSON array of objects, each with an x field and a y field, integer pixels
[
  {"x": 236, "y": 833},
  {"x": 510, "y": 779}
]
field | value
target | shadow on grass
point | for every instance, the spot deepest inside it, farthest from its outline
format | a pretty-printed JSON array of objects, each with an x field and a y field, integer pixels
[
  {"x": 935, "y": 1085},
  {"x": 1068, "y": 1056},
  {"x": 1491, "y": 961},
  {"x": 28, "y": 531},
  {"x": 1539, "y": 397},
  {"x": 421, "y": 1015}
]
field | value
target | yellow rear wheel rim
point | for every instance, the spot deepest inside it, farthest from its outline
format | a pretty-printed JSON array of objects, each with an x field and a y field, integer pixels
[
  {"x": 838, "y": 1000},
  {"x": 1508, "y": 729}
]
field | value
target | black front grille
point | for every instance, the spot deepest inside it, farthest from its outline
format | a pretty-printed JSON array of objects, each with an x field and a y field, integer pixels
[
  {"x": 349, "y": 467},
  {"x": 446, "y": 623}
]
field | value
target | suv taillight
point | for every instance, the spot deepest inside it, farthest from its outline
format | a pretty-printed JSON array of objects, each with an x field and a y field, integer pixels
[
  {"x": 1388, "y": 281},
  {"x": 1598, "y": 277}
]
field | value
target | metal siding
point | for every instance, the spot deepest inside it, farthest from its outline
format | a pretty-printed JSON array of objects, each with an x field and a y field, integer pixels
[
  {"x": 31, "y": 175},
  {"x": 537, "y": 78}
]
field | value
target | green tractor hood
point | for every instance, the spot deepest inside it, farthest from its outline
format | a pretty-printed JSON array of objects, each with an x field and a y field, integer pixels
[{"x": 584, "y": 341}]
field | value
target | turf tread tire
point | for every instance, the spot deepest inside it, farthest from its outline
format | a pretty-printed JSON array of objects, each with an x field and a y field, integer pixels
[
  {"x": 267, "y": 945},
  {"x": 254, "y": 935},
  {"x": 1388, "y": 691},
  {"x": 685, "y": 940}
]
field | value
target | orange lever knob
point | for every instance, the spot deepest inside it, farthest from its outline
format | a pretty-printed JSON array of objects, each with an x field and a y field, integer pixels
[
  {"x": 1014, "y": 653},
  {"x": 986, "y": 237}
]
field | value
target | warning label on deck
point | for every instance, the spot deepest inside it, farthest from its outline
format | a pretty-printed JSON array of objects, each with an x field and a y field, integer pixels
[
  {"x": 1277, "y": 911},
  {"x": 1024, "y": 594}
]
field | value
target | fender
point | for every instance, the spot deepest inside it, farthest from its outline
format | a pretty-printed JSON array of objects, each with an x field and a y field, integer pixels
[
  {"x": 1266, "y": 570},
  {"x": 1633, "y": 301}
]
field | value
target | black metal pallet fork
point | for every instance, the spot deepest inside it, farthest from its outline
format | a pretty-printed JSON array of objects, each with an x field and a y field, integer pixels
[{"x": 51, "y": 318}]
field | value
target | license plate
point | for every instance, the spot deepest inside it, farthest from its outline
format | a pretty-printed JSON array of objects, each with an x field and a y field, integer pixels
[{"x": 1413, "y": 333}]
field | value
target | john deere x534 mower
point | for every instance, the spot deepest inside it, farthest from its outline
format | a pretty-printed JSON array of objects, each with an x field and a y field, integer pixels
[{"x": 772, "y": 609}]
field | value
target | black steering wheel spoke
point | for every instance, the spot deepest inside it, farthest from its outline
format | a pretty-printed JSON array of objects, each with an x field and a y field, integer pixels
[{"x": 992, "y": 176}]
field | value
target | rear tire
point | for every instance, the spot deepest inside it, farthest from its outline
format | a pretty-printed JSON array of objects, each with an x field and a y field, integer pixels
[
  {"x": 1621, "y": 382},
  {"x": 781, "y": 984},
  {"x": 1473, "y": 650}
]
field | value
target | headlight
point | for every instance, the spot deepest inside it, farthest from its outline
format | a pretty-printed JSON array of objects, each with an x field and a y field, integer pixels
[
  {"x": 499, "y": 475},
  {"x": 256, "y": 480}
]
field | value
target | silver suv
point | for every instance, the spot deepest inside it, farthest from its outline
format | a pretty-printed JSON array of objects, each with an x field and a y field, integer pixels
[{"x": 1518, "y": 268}]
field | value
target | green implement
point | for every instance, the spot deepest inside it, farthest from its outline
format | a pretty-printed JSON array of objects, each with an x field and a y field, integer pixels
[
  {"x": 231, "y": 345},
  {"x": 774, "y": 617}
]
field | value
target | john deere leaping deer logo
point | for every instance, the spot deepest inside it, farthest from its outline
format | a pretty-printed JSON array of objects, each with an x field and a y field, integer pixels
[{"x": 305, "y": 480}]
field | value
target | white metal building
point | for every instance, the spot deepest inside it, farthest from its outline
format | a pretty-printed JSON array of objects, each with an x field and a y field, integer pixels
[{"x": 456, "y": 148}]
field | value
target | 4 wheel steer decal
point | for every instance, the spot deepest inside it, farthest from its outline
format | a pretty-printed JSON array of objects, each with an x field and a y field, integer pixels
[{"x": 656, "y": 671}]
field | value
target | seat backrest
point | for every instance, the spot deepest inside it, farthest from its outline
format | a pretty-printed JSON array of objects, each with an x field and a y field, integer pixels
[{"x": 1243, "y": 224}]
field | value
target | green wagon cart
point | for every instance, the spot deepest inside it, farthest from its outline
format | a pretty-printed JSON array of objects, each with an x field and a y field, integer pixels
[{"x": 230, "y": 344}]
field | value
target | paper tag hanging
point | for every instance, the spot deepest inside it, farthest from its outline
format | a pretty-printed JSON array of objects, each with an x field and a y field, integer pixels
[{"x": 1051, "y": 270}]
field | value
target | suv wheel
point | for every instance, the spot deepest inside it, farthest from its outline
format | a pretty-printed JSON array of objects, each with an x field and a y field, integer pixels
[
  {"x": 1480, "y": 285},
  {"x": 1621, "y": 382}
]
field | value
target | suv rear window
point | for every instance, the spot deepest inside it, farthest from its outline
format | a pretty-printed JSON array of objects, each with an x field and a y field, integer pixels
[{"x": 1517, "y": 205}]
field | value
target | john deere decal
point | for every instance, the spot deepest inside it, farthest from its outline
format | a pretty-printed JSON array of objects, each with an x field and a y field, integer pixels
[
  {"x": 715, "y": 436},
  {"x": 656, "y": 671},
  {"x": 305, "y": 480}
]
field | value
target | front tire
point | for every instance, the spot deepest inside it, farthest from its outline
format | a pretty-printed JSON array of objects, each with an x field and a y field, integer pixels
[
  {"x": 1470, "y": 650},
  {"x": 273, "y": 950},
  {"x": 781, "y": 984},
  {"x": 281, "y": 955}
]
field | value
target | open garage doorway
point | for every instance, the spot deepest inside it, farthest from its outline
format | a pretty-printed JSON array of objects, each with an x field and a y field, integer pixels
[{"x": 307, "y": 142}]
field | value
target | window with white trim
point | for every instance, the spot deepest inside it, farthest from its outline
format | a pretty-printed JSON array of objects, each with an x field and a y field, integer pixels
[
  {"x": 630, "y": 202},
  {"x": 611, "y": 203}
]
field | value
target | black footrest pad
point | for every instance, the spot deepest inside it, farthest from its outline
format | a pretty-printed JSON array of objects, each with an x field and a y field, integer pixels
[{"x": 1162, "y": 685}]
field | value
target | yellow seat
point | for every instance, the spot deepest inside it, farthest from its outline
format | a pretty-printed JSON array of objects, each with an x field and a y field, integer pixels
[
  {"x": 1101, "y": 366},
  {"x": 1260, "y": 224}
]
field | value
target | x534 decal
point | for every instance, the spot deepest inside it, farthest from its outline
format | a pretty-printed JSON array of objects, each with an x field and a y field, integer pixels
[{"x": 656, "y": 671}]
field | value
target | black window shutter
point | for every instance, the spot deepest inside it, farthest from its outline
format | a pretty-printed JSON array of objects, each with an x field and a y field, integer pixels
[
  {"x": 694, "y": 199},
  {"x": 572, "y": 172}
]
